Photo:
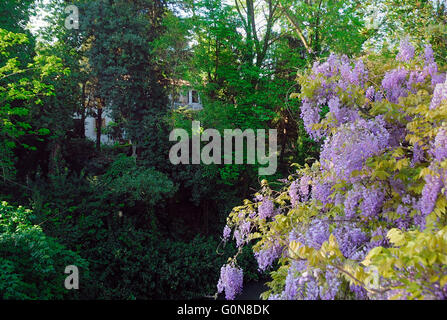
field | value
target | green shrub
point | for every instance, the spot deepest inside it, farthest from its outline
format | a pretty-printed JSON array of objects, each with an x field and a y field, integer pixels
[{"x": 32, "y": 264}]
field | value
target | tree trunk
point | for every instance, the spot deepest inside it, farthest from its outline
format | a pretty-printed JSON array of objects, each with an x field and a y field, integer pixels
[{"x": 98, "y": 128}]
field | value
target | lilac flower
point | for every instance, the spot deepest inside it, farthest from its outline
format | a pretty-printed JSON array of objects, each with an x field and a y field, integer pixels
[
  {"x": 266, "y": 209},
  {"x": 333, "y": 282},
  {"x": 226, "y": 233},
  {"x": 359, "y": 74},
  {"x": 294, "y": 193},
  {"x": 359, "y": 292},
  {"x": 439, "y": 95},
  {"x": 378, "y": 239},
  {"x": 378, "y": 96},
  {"x": 406, "y": 51},
  {"x": 312, "y": 291},
  {"x": 373, "y": 199},
  {"x": 432, "y": 187},
  {"x": 393, "y": 84},
  {"x": 439, "y": 149},
  {"x": 310, "y": 115},
  {"x": 349, "y": 238},
  {"x": 321, "y": 192},
  {"x": 231, "y": 280},
  {"x": 304, "y": 187},
  {"x": 317, "y": 233},
  {"x": 293, "y": 287},
  {"x": 444, "y": 180},
  {"x": 266, "y": 256},
  {"x": 418, "y": 154},
  {"x": 415, "y": 78},
  {"x": 351, "y": 202},
  {"x": 370, "y": 93},
  {"x": 341, "y": 114},
  {"x": 240, "y": 238},
  {"x": 440, "y": 292},
  {"x": 429, "y": 54},
  {"x": 328, "y": 68},
  {"x": 347, "y": 150},
  {"x": 404, "y": 220}
]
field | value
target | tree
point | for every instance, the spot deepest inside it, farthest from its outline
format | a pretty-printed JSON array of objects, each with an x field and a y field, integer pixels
[
  {"x": 122, "y": 36},
  {"x": 22, "y": 90},
  {"x": 18, "y": 14}
]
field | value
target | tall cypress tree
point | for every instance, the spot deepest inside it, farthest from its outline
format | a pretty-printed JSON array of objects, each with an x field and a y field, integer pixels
[{"x": 121, "y": 34}]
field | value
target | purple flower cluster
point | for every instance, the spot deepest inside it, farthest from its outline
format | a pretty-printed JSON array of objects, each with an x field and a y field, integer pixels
[
  {"x": 230, "y": 281},
  {"x": 439, "y": 149},
  {"x": 394, "y": 84},
  {"x": 313, "y": 236},
  {"x": 439, "y": 95},
  {"x": 305, "y": 182},
  {"x": 311, "y": 116},
  {"x": 373, "y": 199},
  {"x": 266, "y": 256},
  {"x": 299, "y": 190},
  {"x": 370, "y": 93},
  {"x": 300, "y": 283},
  {"x": 352, "y": 201},
  {"x": 349, "y": 238},
  {"x": 429, "y": 55},
  {"x": 347, "y": 150},
  {"x": 431, "y": 68},
  {"x": 406, "y": 51},
  {"x": 241, "y": 233},
  {"x": 378, "y": 239},
  {"x": 418, "y": 154},
  {"x": 226, "y": 233},
  {"x": 360, "y": 293},
  {"x": 432, "y": 187},
  {"x": 294, "y": 193},
  {"x": 321, "y": 192},
  {"x": 334, "y": 74},
  {"x": 333, "y": 282},
  {"x": 266, "y": 209},
  {"x": 342, "y": 114}
]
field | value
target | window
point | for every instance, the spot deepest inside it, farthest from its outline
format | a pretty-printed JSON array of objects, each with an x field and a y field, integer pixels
[{"x": 194, "y": 96}]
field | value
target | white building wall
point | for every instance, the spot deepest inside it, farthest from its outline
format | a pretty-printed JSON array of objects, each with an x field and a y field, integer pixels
[
  {"x": 90, "y": 122},
  {"x": 90, "y": 129}
]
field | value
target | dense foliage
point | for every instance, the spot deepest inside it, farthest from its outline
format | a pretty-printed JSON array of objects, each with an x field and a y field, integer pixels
[
  {"x": 85, "y": 117},
  {"x": 368, "y": 220},
  {"x": 38, "y": 271}
]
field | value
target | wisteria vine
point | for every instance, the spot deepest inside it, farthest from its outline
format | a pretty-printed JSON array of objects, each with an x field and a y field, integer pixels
[{"x": 368, "y": 220}]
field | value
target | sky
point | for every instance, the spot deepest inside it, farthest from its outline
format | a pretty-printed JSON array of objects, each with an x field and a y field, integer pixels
[{"x": 37, "y": 21}]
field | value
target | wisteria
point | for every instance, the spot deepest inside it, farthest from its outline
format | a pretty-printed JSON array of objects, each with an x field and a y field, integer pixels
[
  {"x": 230, "y": 281},
  {"x": 347, "y": 150},
  {"x": 433, "y": 185},
  {"x": 381, "y": 179},
  {"x": 406, "y": 51},
  {"x": 372, "y": 202},
  {"x": 440, "y": 145},
  {"x": 394, "y": 84},
  {"x": 226, "y": 233},
  {"x": 294, "y": 193},
  {"x": 265, "y": 257},
  {"x": 266, "y": 209}
]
